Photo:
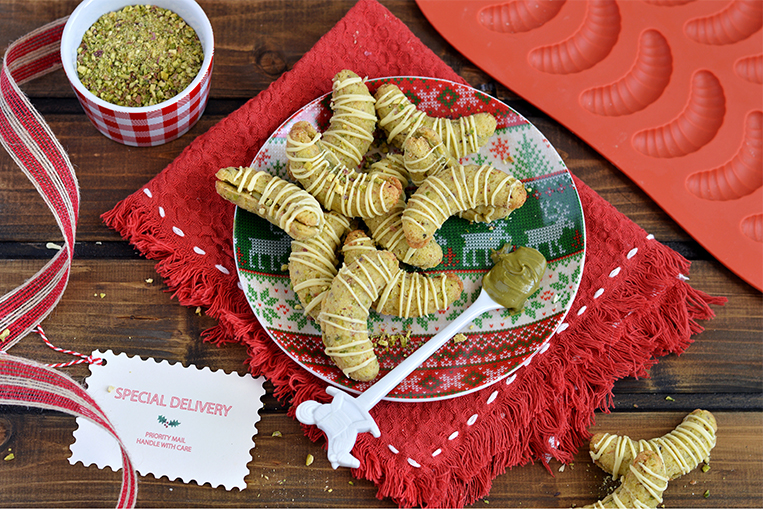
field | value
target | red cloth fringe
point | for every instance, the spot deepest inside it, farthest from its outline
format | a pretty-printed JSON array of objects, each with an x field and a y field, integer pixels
[{"x": 646, "y": 311}]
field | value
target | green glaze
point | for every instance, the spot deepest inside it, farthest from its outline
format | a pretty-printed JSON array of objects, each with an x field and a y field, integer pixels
[{"x": 515, "y": 276}]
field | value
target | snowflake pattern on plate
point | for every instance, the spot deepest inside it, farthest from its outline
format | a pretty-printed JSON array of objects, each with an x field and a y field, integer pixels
[{"x": 497, "y": 342}]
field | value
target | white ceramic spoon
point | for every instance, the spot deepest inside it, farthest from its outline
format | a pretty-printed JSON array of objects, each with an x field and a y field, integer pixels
[{"x": 346, "y": 416}]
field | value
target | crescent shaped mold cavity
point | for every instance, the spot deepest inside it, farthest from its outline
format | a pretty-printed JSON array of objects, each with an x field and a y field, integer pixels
[
  {"x": 736, "y": 22},
  {"x": 641, "y": 86},
  {"x": 752, "y": 227},
  {"x": 740, "y": 176},
  {"x": 589, "y": 45},
  {"x": 693, "y": 128},
  {"x": 750, "y": 69},
  {"x": 668, "y": 3},
  {"x": 518, "y": 16}
]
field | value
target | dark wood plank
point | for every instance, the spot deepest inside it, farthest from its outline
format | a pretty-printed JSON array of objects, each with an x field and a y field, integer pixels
[
  {"x": 255, "y": 41},
  {"x": 108, "y": 172},
  {"x": 110, "y": 304},
  {"x": 278, "y": 475},
  {"x": 141, "y": 318}
]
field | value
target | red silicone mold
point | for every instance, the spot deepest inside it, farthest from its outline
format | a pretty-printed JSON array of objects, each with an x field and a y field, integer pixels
[{"x": 670, "y": 91}]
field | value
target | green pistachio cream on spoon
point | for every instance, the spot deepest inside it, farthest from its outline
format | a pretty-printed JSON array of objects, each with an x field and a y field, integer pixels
[{"x": 515, "y": 276}]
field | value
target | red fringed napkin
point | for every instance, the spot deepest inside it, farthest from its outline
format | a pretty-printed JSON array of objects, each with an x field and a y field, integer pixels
[{"x": 633, "y": 304}]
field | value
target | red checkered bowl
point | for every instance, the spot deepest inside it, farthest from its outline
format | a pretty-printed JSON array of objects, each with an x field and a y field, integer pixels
[{"x": 146, "y": 126}]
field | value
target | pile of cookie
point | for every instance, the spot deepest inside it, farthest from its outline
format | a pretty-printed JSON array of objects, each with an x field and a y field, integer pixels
[{"x": 333, "y": 209}]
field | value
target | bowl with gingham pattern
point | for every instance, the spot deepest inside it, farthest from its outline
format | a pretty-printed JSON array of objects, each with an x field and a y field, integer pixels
[
  {"x": 495, "y": 344},
  {"x": 144, "y": 126}
]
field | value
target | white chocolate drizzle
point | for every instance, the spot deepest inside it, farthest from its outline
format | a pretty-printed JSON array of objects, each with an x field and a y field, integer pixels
[
  {"x": 347, "y": 191},
  {"x": 416, "y": 291},
  {"x": 428, "y": 164},
  {"x": 694, "y": 437},
  {"x": 354, "y": 281},
  {"x": 280, "y": 199},
  {"x": 646, "y": 478},
  {"x": 460, "y": 137},
  {"x": 391, "y": 165},
  {"x": 355, "y": 248},
  {"x": 347, "y": 113},
  {"x": 319, "y": 255},
  {"x": 392, "y": 225},
  {"x": 436, "y": 209}
]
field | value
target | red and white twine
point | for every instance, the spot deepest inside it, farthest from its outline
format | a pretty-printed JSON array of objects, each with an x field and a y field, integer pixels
[
  {"x": 27, "y": 138},
  {"x": 83, "y": 359}
]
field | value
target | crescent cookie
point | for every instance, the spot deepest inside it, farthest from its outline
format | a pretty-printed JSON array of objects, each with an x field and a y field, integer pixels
[
  {"x": 453, "y": 190},
  {"x": 356, "y": 244},
  {"x": 642, "y": 486},
  {"x": 344, "y": 313},
  {"x": 425, "y": 154},
  {"x": 391, "y": 165},
  {"x": 387, "y": 231},
  {"x": 337, "y": 187},
  {"x": 681, "y": 450},
  {"x": 407, "y": 294},
  {"x": 352, "y": 125},
  {"x": 282, "y": 203},
  {"x": 399, "y": 118},
  {"x": 412, "y": 294},
  {"x": 313, "y": 263}
]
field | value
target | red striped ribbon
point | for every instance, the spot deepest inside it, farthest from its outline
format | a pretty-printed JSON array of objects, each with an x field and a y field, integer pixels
[
  {"x": 31, "y": 143},
  {"x": 26, "y": 383},
  {"x": 27, "y": 138}
]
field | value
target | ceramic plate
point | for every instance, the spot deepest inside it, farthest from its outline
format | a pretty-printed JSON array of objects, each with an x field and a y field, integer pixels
[{"x": 497, "y": 342}]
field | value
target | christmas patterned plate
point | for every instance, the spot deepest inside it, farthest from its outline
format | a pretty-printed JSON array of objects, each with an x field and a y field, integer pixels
[{"x": 497, "y": 343}]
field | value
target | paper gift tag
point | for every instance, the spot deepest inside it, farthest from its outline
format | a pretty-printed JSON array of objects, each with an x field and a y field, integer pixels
[{"x": 184, "y": 423}]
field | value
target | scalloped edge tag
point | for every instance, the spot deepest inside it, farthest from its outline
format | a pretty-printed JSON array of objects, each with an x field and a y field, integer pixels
[{"x": 183, "y": 423}]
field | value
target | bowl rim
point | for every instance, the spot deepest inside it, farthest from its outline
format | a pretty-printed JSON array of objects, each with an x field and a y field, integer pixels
[{"x": 69, "y": 35}]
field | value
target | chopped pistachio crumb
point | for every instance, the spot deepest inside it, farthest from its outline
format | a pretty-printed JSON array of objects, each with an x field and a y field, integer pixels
[
  {"x": 149, "y": 280},
  {"x": 351, "y": 483},
  {"x": 277, "y": 434},
  {"x": 706, "y": 494},
  {"x": 668, "y": 398},
  {"x": 5, "y": 334},
  {"x": 139, "y": 56},
  {"x": 102, "y": 295},
  {"x": 198, "y": 311},
  {"x": 110, "y": 388},
  {"x": 705, "y": 467},
  {"x": 284, "y": 267},
  {"x": 309, "y": 460},
  {"x": 9, "y": 457},
  {"x": 459, "y": 338}
]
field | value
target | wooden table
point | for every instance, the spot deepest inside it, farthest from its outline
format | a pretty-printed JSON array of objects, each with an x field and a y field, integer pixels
[{"x": 256, "y": 41}]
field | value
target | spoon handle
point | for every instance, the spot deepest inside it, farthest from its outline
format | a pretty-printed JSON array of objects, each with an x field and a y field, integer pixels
[{"x": 371, "y": 396}]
